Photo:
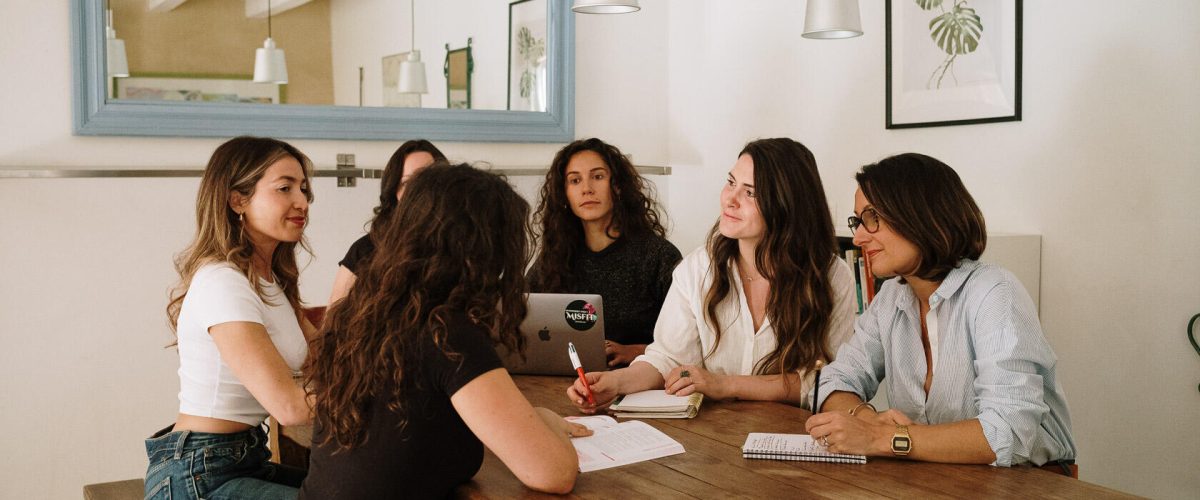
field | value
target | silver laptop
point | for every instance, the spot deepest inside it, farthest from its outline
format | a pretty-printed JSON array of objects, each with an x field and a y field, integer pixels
[{"x": 553, "y": 320}]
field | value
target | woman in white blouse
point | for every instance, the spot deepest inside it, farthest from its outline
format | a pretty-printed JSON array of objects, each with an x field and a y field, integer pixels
[
  {"x": 750, "y": 314},
  {"x": 240, "y": 336}
]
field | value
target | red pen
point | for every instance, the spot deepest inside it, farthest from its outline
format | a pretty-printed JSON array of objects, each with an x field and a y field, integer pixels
[{"x": 579, "y": 369}]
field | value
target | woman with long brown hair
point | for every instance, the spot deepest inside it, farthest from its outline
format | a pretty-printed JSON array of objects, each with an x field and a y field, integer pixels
[
  {"x": 600, "y": 233},
  {"x": 406, "y": 161},
  {"x": 240, "y": 336},
  {"x": 749, "y": 315},
  {"x": 407, "y": 381}
]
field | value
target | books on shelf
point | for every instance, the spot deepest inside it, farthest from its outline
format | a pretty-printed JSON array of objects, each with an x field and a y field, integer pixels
[
  {"x": 866, "y": 284},
  {"x": 800, "y": 447},
  {"x": 657, "y": 404},
  {"x": 614, "y": 444}
]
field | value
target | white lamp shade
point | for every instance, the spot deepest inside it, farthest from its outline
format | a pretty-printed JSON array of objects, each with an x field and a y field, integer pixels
[
  {"x": 412, "y": 75},
  {"x": 828, "y": 19},
  {"x": 118, "y": 65},
  {"x": 269, "y": 64},
  {"x": 605, "y": 6}
]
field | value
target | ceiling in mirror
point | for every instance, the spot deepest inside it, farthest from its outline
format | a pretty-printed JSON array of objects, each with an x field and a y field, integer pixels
[
  {"x": 338, "y": 52},
  {"x": 344, "y": 59}
]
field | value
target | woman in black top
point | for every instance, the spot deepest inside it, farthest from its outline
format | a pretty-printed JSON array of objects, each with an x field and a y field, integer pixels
[
  {"x": 407, "y": 381},
  {"x": 600, "y": 233},
  {"x": 409, "y": 158}
]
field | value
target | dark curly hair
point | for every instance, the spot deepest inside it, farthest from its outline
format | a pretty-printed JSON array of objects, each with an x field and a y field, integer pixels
[
  {"x": 635, "y": 212},
  {"x": 393, "y": 176},
  {"x": 457, "y": 243},
  {"x": 796, "y": 251}
]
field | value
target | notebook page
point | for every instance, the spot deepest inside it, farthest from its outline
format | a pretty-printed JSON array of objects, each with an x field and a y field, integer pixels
[{"x": 626, "y": 443}]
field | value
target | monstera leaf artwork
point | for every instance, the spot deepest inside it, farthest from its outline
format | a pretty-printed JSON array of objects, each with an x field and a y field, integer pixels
[{"x": 956, "y": 31}]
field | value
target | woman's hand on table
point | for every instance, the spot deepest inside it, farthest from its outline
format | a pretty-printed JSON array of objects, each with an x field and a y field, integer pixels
[{"x": 687, "y": 379}]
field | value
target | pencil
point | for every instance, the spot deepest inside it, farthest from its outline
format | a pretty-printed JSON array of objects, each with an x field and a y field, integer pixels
[{"x": 817, "y": 386}]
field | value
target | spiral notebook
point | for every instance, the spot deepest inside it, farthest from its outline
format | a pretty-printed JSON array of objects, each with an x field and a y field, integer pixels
[{"x": 801, "y": 447}]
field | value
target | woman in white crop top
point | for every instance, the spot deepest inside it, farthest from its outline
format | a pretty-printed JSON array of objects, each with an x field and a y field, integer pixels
[
  {"x": 240, "y": 335},
  {"x": 749, "y": 316}
]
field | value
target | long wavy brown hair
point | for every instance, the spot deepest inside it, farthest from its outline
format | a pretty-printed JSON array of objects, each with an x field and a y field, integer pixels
[
  {"x": 236, "y": 166},
  {"x": 393, "y": 175},
  {"x": 795, "y": 254},
  {"x": 560, "y": 232},
  {"x": 456, "y": 244}
]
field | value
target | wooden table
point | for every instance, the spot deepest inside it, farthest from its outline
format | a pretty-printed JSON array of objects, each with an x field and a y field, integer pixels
[{"x": 713, "y": 466}]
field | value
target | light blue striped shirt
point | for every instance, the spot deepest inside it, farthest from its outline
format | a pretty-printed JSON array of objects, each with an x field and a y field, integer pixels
[{"x": 992, "y": 363}]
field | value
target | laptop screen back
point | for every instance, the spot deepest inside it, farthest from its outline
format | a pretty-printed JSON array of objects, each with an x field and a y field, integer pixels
[{"x": 553, "y": 320}]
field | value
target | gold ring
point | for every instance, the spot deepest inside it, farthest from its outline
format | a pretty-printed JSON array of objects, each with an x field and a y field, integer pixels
[{"x": 825, "y": 440}]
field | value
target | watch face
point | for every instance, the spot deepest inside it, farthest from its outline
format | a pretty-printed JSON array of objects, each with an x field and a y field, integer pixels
[{"x": 900, "y": 443}]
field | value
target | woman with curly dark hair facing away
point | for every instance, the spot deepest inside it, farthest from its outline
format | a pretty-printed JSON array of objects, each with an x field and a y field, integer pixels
[
  {"x": 749, "y": 315},
  {"x": 409, "y": 158},
  {"x": 407, "y": 382},
  {"x": 600, "y": 233}
]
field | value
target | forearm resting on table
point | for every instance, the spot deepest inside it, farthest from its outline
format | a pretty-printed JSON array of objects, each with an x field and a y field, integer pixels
[
  {"x": 767, "y": 387},
  {"x": 638, "y": 376},
  {"x": 959, "y": 442}
]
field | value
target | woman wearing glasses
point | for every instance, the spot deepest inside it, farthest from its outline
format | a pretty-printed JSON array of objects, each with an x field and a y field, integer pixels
[
  {"x": 969, "y": 375},
  {"x": 750, "y": 314}
]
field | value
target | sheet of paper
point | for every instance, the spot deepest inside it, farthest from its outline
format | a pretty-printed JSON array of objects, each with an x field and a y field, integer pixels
[{"x": 625, "y": 443}]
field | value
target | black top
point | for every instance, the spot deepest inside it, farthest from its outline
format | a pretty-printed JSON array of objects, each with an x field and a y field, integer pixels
[
  {"x": 360, "y": 252},
  {"x": 430, "y": 455},
  {"x": 632, "y": 275}
]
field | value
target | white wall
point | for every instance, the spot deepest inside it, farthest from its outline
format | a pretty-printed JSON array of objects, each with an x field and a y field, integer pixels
[
  {"x": 1103, "y": 166},
  {"x": 363, "y": 31}
]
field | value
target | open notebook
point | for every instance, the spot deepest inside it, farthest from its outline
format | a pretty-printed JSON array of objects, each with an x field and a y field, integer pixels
[
  {"x": 800, "y": 447},
  {"x": 657, "y": 404},
  {"x": 613, "y": 444}
]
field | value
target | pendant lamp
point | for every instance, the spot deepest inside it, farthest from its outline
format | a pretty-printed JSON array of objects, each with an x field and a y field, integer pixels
[
  {"x": 605, "y": 6},
  {"x": 269, "y": 63},
  {"x": 412, "y": 70},
  {"x": 830, "y": 19},
  {"x": 118, "y": 65}
]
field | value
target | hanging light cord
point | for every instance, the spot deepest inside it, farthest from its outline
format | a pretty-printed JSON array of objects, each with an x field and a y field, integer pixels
[
  {"x": 412, "y": 24},
  {"x": 268, "y": 18},
  {"x": 1192, "y": 336}
]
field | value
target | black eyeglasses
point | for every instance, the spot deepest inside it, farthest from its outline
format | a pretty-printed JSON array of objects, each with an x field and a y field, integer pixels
[{"x": 869, "y": 220}]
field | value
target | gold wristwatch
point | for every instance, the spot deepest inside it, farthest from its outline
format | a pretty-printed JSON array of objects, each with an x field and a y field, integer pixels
[{"x": 901, "y": 442}]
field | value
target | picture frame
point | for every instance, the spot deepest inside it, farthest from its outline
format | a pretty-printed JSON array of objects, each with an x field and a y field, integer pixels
[
  {"x": 527, "y": 52},
  {"x": 952, "y": 62},
  {"x": 457, "y": 69},
  {"x": 392, "y": 97},
  {"x": 175, "y": 87}
]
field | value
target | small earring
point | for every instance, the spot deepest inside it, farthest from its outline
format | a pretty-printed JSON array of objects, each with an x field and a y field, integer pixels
[{"x": 241, "y": 217}]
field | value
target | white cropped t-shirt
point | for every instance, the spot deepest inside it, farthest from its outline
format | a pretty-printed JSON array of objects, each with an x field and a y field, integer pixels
[{"x": 220, "y": 293}]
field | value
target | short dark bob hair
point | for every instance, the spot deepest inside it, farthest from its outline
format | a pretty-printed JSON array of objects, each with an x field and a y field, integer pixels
[{"x": 926, "y": 203}]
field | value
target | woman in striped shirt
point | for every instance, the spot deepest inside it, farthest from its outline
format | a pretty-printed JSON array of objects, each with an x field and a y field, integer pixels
[{"x": 969, "y": 375}]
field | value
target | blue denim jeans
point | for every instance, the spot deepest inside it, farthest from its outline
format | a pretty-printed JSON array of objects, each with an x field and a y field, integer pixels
[{"x": 200, "y": 465}]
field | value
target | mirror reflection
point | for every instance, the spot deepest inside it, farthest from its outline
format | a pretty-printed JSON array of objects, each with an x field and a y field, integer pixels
[{"x": 474, "y": 55}]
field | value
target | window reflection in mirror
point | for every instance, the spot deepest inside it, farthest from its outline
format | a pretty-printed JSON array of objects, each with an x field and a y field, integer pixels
[{"x": 339, "y": 52}]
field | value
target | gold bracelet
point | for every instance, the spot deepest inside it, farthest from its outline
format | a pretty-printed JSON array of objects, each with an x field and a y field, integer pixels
[{"x": 860, "y": 405}]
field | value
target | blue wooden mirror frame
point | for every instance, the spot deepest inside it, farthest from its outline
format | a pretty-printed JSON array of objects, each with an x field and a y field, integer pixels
[{"x": 94, "y": 115}]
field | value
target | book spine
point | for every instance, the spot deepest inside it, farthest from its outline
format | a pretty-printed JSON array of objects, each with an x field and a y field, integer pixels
[{"x": 852, "y": 261}]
